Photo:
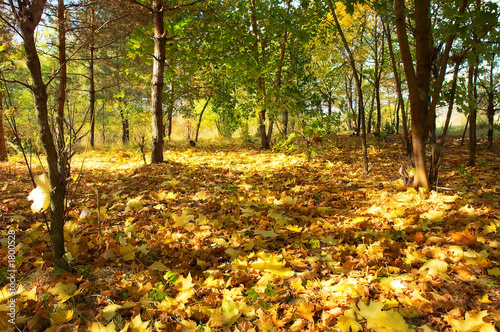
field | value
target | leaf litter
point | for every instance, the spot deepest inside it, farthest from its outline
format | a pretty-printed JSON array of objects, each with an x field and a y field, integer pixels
[{"x": 237, "y": 239}]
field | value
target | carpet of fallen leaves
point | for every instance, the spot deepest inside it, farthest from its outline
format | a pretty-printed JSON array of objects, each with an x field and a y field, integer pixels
[{"x": 227, "y": 237}]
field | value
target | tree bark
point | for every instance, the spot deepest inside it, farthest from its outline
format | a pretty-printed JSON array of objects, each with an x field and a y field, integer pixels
[
  {"x": 418, "y": 80},
  {"x": 490, "y": 110},
  {"x": 92, "y": 79},
  {"x": 261, "y": 83},
  {"x": 3, "y": 147},
  {"x": 28, "y": 19},
  {"x": 159, "y": 36},
  {"x": 472, "y": 96}
]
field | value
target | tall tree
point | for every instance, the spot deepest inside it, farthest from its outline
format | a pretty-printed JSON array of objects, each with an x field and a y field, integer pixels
[
  {"x": 359, "y": 84},
  {"x": 28, "y": 15}
]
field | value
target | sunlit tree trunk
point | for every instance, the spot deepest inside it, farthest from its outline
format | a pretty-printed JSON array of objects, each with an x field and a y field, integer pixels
[{"x": 418, "y": 80}]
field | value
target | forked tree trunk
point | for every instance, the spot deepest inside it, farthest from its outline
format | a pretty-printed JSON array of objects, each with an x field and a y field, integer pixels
[
  {"x": 159, "y": 37},
  {"x": 199, "y": 119},
  {"x": 418, "y": 80},
  {"x": 28, "y": 20}
]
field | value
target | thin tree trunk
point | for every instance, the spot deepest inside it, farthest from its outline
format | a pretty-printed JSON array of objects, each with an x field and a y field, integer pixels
[
  {"x": 261, "y": 84},
  {"x": 159, "y": 37},
  {"x": 3, "y": 147},
  {"x": 91, "y": 78},
  {"x": 280, "y": 71},
  {"x": 472, "y": 95},
  {"x": 28, "y": 20},
  {"x": 490, "y": 110},
  {"x": 199, "y": 119},
  {"x": 361, "y": 109}
]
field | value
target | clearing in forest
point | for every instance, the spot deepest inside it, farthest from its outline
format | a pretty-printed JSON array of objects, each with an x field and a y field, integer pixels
[{"x": 233, "y": 238}]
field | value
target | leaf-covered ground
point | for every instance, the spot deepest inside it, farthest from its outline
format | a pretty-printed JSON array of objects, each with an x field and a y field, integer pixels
[{"x": 232, "y": 238}]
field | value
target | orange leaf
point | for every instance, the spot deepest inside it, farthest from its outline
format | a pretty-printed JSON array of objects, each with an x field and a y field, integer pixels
[
  {"x": 464, "y": 238},
  {"x": 306, "y": 310}
]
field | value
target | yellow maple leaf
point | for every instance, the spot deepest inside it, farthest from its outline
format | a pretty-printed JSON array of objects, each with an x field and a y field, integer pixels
[
  {"x": 180, "y": 221},
  {"x": 137, "y": 325},
  {"x": 347, "y": 322},
  {"x": 306, "y": 310},
  {"x": 184, "y": 284},
  {"x": 383, "y": 321},
  {"x": 61, "y": 317},
  {"x": 435, "y": 267},
  {"x": 99, "y": 327},
  {"x": 40, "y": 195},
  {"x": 273, "y": 264},
  {"x": 471, "y": 323},
  {"x": 128, "y": 252},
  {"x": 109, "y": 311},
  {"x": 64, "y": 291}
]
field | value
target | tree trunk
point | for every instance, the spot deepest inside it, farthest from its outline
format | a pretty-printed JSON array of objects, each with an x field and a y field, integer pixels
[
  {"x": 125, "y": 128},
  {"x": 261, "y": 84},
  {"x": 28, "y": 20},
  {"x": 418, "y": 80},
  {"x": 199, "y": 119},
  {"x": 63, "y": 78},
  {"x": 159, "y": 37},
  {"x": 280, "y": 71},
  {"x": 3, "y": 147},
  {"x": 472, "y": 96},
  {"x": 490, "y": 110},
  {"x": 359, "y": 88},
  {"x": 91, "y": 78}
]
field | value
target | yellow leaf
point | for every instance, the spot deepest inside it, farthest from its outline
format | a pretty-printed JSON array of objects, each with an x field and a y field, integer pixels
[
  {"x": 99, "y": 327},
  {"x": 189, "y": 326},
  {"x": 40, "y": 195},
  {"x": 61, "y": 317},
  {"x": 347, "y": 322},
  {"x": 159, "y": 266},
  {"x": 64, "y": 291},
  {"x": 294, "y": 228},
  {"x": 494, "y": 272},
  {"x": 384, "y": 321},
  {"x": 128, "y": 252},
  {"x": 435, "y": 267},
  {"x": 306, "y": 310},
  {"x": 137, "y": 325},
  {"x": 471, "y": 323},
  {"x": 273, "y": 264},
  {"x": 184, "y": 283},
  {"x": 433, "y": 216},
  {"x": 110, "y": 311},
  {"x": 285, "y": 200},
  {"x": 135, "y": 204}
]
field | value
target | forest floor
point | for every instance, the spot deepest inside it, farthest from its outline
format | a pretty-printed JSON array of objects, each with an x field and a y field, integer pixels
[{"x": 227, "y": 237}]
